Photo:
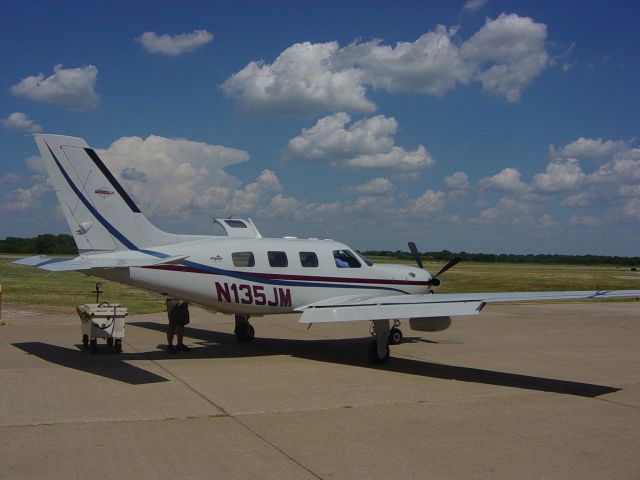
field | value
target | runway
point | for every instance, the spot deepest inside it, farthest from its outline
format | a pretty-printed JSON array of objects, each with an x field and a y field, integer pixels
[{"x": 521, "y": 391}]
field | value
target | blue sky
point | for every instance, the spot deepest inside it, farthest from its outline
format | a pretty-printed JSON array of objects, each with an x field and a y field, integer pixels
[{"x": 502, "y": 127}]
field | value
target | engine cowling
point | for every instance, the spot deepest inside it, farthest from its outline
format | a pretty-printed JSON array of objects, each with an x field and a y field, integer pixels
[{"x": 430, "y": 324}]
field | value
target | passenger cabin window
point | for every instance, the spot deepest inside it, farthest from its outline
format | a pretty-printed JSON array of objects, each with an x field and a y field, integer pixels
[
  {"x": 243, "y": 259},
  {"x": 278, "y": 259},
  {"x": 345, "y": 259},
  {"x": 308, "y": 259}
]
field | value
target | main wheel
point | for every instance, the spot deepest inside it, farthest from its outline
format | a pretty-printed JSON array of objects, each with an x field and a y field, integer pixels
[
  {"x": 395, "y": 336},
  {"x": 110, "y": 342},
  {"x": 93, "y": 345},
  {"x": 373, "y": 353},
  {"x": 117, "y": 347},
  {"x": 245, "y": 333},
  {"x": 85, "y": 341}
]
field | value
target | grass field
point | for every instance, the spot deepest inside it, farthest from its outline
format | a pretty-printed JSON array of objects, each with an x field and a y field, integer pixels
[{"x": 29, "y": 286}]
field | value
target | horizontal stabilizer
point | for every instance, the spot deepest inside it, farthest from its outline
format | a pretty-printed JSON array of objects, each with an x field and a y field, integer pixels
[{"x": 112, "y": 260}]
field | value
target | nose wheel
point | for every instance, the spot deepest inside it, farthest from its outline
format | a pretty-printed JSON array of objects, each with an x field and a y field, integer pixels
[{"x": 395, "y": 334}]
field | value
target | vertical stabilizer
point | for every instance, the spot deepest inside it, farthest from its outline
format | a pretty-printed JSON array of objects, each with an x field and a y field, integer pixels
[{"x": 101, "y": 215}]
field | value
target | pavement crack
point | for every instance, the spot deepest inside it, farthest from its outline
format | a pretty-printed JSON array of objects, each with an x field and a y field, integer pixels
[{"x": 230, "y": 416}]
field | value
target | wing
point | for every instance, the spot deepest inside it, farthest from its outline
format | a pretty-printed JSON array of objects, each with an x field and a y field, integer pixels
[
  {"x": 109, "y": 260},
  {"x": 353, "y": 308}
]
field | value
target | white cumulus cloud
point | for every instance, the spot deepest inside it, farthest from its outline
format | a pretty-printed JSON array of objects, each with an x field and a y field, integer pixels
[
  {"x": 430, "y": 201},
  {"x": 623, "y": 168},
  {"x": 72, "y": 88},
  {"x": 590, "y": 149},
  {"x": 431, "y": 64},
  {"x": 301, "y": 81},
  {"x": 23, "y": 200},
  {"x": 509, "y": 52},
  {"x": 20, "y": 121},
  {"x": 505, "y": 55},
  {"x": 473, "y": 5},
  {"x": 367, "y": 143},
  {"x": 508, "y": 180},
  {"x": 377, "y": 186},
  {"x": 174, "y": 44},
  {"x": 457, "y": 181},
  {"x": 560, "y": 176},
  {"x": 168, "y": 176}
]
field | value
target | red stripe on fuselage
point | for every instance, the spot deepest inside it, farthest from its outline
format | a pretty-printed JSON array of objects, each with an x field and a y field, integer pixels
[{"x": 303, "y": 278}]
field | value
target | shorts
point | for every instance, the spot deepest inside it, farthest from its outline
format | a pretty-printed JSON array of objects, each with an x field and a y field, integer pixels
[{"x": 178, "y": 313}]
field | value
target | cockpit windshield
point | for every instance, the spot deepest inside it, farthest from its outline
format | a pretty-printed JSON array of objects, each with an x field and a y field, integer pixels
[{"x": 364, "y": 259}]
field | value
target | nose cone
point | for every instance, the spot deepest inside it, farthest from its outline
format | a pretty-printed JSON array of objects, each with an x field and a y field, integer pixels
[
  {"x": 424, "y": 278},
  {"x": 412, "y": 279}
]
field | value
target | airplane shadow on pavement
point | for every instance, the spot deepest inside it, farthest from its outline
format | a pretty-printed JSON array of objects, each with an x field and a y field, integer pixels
[{"x": 351, "y": 351}]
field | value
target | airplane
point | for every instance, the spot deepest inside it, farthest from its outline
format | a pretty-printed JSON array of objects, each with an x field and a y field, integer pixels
[{"x": 243, "y": 274}]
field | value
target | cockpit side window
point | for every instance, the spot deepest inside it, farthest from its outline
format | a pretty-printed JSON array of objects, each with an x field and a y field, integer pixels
[
  {"x": 346, "y": 259},
  {"x": 277, "y": 259},
  {"x": 308, "y": 259},
  {"x": 243, "y": 259}
]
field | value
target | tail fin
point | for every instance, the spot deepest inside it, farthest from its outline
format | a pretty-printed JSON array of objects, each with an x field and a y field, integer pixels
[{"x": 101, "y": 216}]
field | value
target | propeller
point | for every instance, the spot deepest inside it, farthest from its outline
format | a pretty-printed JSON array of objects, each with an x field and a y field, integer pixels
[{"x": 435, "y": 280}]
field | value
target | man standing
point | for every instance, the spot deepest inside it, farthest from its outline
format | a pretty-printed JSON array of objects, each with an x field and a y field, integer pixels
[{"x": 178, "y": 314}]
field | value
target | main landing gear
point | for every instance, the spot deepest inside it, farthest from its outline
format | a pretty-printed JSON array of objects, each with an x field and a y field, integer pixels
[
  {"x": 383, "y": 337},
  {"x": 244, "y": 330},
  {"x": 379, "y": 347}
]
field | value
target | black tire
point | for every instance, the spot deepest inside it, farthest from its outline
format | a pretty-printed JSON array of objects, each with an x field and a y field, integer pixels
[
  {"x": 110, "y": 342},
  {"x": 395, "y": 336},
  {"x": 85, "y": 341},
  {"x": 93, "y": 345},
  {"x": 373, "y": 353},
  {"x": 245, "y": 333},
  {"x": 117, "y": 347}
]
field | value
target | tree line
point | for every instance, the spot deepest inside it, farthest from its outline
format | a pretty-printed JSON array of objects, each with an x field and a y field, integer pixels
[
  {"x": 446, "y": 255},
  {"x": 42, "y": 244},
  {"x": 64, "y": 244}
]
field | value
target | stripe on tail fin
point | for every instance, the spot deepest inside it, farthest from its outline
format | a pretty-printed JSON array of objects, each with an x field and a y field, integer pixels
[{"x": 101, "y": 215}]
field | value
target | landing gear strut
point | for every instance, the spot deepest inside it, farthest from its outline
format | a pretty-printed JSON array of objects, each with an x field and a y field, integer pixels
[
  {"x": 244, "y": 330},
  {"x": 379, "y": 347}
]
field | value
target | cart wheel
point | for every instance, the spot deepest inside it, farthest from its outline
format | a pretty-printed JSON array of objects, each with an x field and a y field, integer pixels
[
  {"x": 93, "y": 345},
  {"x": 110, "y": 342},
  {"x": 85, "y": 341},
  {"x": 118, "y": 345}
]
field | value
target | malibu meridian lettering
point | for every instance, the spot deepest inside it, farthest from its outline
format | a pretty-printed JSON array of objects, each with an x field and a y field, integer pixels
[{"x": 253, "y": 295}]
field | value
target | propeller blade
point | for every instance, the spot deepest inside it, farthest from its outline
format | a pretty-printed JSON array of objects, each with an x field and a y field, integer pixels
[
  {"x": 452, "y": 262},
  {"x": 416, "y": 254}
]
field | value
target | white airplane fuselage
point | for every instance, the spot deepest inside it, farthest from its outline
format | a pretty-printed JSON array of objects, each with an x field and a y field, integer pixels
[{"x": 216, "y": 274}]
